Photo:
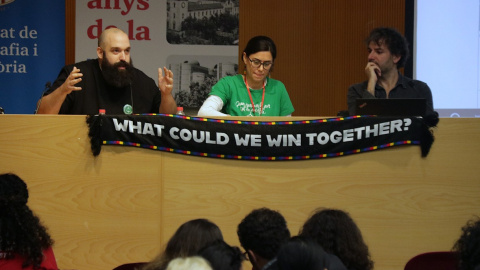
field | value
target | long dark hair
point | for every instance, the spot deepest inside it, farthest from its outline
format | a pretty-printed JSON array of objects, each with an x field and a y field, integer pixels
[
  {"x": 189, "y": 238},
  {"x": 21, "y": 233},
  {"x": 468, "y": 245},
  {"x": 338, "y": 234}
]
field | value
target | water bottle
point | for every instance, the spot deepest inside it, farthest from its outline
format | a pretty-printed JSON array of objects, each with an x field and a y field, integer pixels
[{"x": 180, "y": 111}]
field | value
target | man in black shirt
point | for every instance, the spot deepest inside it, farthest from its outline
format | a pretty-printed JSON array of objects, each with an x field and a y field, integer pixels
[
  {"x": 387, "y": 53},
  {"x": 109, "y": 83}
]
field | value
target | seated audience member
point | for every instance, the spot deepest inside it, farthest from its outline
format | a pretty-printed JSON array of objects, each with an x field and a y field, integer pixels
[
  {"x": 222, "y": 256},
  {"x": 387, "y": 53},
  {"x": 336, "y": 232},
  {"x": 468, "y": 246},
  {"x": 187, "y": 241},
  {"x": 189, "y": 263},
  {"x": 109, "y": 82},
  {"x": 252, "y": 94},
  {"x": 261, "y": 234},
  {"x": 304, "y": 253},
  {"x": 24, "y": 242}
]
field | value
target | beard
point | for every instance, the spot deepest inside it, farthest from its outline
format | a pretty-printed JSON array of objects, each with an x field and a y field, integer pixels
[{"x": 117, "y": 77}]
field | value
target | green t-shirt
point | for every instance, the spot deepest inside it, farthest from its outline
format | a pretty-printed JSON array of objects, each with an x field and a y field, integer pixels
[{"x": 233, "y": 92}]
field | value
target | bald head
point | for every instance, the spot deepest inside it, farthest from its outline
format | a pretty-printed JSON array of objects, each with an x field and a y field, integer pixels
[
  {"x": 107, "y": 34},
  {"x": 113, "y": 46}
]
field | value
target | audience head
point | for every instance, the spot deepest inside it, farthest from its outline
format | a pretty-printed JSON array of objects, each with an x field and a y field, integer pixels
[
  {"x": 301, "y": 253},
  {"x": 261, "y": 234},
  {"x": 189, "y": 263},
  {"x": 222, "y": 256},
  {"x": 468, "y": 246},
  {"x": 21, "y": 233},
  {"x": 189, "y": 238},
  {"x": 336, "y": 232},
  {"x": 393, "y": 40}
]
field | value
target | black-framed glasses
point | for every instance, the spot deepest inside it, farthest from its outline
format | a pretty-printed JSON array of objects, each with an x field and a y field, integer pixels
[
  {"x": 245, "y": 256},
  {"x": 257, "y": 63}
]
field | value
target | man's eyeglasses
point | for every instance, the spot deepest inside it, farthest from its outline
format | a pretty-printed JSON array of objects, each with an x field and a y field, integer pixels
[{"x": 257, "y": 63}]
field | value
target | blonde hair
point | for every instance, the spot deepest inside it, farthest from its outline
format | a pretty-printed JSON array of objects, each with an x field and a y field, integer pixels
[
  {"x": 187, "y": 241},
  {"x": 189, "y": 263}
]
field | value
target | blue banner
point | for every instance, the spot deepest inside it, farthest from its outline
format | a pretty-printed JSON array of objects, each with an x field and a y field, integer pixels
[{"x": 32, "y": 51}]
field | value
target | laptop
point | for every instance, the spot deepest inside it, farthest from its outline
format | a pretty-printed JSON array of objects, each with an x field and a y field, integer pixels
[{"x": 391, "y": 107}]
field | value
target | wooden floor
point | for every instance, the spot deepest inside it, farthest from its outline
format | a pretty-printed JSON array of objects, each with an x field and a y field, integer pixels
[{"x": 124, "y": 205}]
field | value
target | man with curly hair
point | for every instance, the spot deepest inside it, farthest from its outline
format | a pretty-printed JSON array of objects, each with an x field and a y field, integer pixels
[
  {"x": 387, "y": 53},
  {"x": 261, "y": 234},
  {"x": 24, "y": 241},
  {"x": 468, "y": 246}
]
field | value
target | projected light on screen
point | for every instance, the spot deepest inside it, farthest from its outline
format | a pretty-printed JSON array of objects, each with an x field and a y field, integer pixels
[{"x": 446, "y": 53}]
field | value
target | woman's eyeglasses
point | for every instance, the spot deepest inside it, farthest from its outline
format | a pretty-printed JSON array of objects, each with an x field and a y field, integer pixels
[{"x": 257, "y": 63}]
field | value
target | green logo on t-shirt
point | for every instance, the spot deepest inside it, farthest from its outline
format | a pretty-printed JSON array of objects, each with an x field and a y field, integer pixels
[{"x": 127, "y": 109}]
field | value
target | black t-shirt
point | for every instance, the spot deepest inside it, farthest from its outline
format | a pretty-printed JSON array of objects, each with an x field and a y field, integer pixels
[
  {"x": 405, "y": 88},
  {"x": 143, "y": 94}
]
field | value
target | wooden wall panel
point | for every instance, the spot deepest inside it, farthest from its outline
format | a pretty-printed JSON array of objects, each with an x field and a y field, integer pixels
[
  {"x": 123, "y": 205},
  {"x": 99, "y": 213},
  {"x": 320, "y": 45}
]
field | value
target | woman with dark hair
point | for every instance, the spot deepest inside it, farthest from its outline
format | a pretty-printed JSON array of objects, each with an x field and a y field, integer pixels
[
  {"x": 336, "y": 232},
  {"x": 222, "y": 256},
  {"x": 24, "y": 242},
  {"x": 189, "y": 238},
  {"x": 252, "y": 94},
  {"x": 468, "y": 246}
]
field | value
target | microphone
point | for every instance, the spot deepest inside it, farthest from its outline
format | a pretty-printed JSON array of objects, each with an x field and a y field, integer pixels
[
  {"x": 131, "y": 95},
  {"x": 131, "y": 92},
  {"x": 47, "y": 87}
]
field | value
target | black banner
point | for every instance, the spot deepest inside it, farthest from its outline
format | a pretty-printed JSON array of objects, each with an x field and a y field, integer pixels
[{"x": 258, "y": 140}]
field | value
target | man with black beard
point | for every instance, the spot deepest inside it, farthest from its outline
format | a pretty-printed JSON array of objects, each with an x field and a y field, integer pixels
[
  {"x": 110, "y": 83},
  {"x": 119, "y": 74}
]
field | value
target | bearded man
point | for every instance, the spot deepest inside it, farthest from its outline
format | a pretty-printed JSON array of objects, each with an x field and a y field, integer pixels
[
  {"x": 387, "y": 53},
  {"x": 110, "y": 83}
]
